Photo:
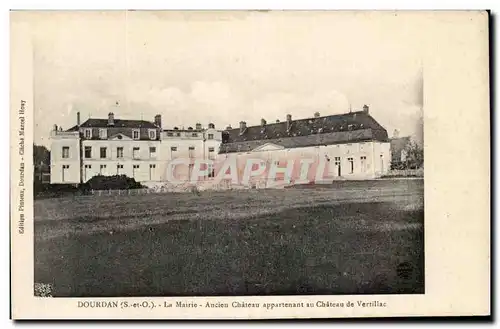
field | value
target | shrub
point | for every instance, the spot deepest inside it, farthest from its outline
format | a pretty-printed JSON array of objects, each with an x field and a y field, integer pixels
[{"x": 116, "y": 182}]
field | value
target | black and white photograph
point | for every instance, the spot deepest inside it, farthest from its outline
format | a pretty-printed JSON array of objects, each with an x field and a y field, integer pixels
[
  {"x": 255, "y": 159},
  {"x": 219, "y": 154}
]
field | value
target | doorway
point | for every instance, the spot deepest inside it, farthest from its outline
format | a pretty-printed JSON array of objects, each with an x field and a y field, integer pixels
[
  {"x": 152, "y": 168},
  {"x": 88, "y": 172},
  {"x": 65, "y": 172}
]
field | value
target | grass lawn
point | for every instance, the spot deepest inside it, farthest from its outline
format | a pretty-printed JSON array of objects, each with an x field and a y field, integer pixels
[{"x": 345, "y": 238}]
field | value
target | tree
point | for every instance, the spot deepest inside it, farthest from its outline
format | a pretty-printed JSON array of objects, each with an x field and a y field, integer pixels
[
  {"x": 414, "y": 155},
  {"x": 41, "y": 157}
]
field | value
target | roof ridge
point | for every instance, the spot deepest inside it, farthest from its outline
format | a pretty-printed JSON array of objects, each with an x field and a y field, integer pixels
[{"x": 307, "y": 119}]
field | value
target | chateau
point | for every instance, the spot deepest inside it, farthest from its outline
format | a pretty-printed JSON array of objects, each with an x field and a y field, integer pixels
[
  {"x": 135, "y": 148},
  {"x": 354, "y": 145}
]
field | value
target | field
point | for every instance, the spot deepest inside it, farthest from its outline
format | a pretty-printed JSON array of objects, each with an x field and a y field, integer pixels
[{"x": 346, "y": 238}]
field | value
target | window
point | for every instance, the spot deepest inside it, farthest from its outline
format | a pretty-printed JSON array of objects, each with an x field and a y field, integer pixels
[
  {"x": 191, "y": 148},
  {"x": 135, "y": 152},
  {"x": 152, "y": 152},
  {"x": 211, "y": 171},
  {"x": 65, "y": 152},
  {"x": 351, "y": 165},
  {"x": 119, "y": 152},
  {"x": 178, "y": 134},
  {"x": 88, "y": 152},
  {"x": 211, "y": 154},
  {"x": 173, "y": 152},
  {"x": 191, "y": 151},
  {"x": 152, "y": 169},
  {"x": 136, "y": 166},
  {"x": 64, "y": 167},
  {"x": 103, "y": 152},
  {"x": 135, "y": 134},
  {"x": 337, "y": 161},
  {"x": 88, "y": 166},
  {"x": 103, "y": 133},
  {"x": 194, "y": 134},
  {"x": 363, "y": 163},
  {"x": 170, "y": 134},
  {"x": 101, "y": 169},
  {"x": 210, "y": 136},
  {"x": 152, "y": 134},
  {"x": 88, "y": 133}
]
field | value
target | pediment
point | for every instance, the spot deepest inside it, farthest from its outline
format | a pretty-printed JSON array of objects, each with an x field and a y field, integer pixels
[
  {"x": 268, "y": 147},
  {"x": 120, "y": 137}
]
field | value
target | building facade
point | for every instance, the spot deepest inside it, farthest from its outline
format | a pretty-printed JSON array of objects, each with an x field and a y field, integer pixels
[
  {"x": 135, "y": 148},
  {"x": 351, "y": 146}
]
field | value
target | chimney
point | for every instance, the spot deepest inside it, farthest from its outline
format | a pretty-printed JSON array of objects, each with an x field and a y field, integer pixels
[
  {"x": 78, "y": 119},
  {"x": 111, "y": 119},
  {"x": 243, "y": 126},
  {"x": 277, "y": 120},
  {"x": 211, "y": 126},
  {"x": 55, "y": 127},
  {"x": 366, "y": 109},
  {"x": 316, "y": 114},
  {"x": 263, "y": 122},
  {"x": 198, "y": 126},
  {"x": 288, "y": 121},
  {"x": 158, "y": 120}
]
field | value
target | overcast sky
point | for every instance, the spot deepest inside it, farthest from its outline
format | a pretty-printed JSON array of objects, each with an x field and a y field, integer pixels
[{"x": 224, "y": 67}]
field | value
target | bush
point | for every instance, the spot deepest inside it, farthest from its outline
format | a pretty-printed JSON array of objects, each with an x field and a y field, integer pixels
[
  {"x": 54, "y": 190},
  {"x": 405, "y": 165},
  {"x": 116, "y": 182}
]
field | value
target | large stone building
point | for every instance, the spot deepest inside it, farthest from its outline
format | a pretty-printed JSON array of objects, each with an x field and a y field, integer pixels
[
  {"x": 353, "y": 146},
  {"x": 135, "y": 148}
]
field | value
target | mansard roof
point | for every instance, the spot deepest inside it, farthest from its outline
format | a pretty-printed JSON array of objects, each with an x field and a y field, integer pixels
[
  {"x": 333, "y": 129},
  {"x": 118, "y": 123}
]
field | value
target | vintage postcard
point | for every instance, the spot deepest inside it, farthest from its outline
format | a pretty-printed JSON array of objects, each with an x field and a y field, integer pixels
[{"x": 249, "y": 164}]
